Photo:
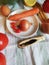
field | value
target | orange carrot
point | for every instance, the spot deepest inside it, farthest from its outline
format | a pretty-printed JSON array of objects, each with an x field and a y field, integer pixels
[{"x": 24, "y": 14}]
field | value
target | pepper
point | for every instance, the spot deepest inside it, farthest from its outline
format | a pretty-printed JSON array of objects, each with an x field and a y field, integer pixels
[{"x": 46, "y": 6}]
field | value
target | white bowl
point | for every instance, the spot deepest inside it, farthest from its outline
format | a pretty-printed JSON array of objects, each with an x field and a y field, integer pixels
[{"x": 31, "y": 32}]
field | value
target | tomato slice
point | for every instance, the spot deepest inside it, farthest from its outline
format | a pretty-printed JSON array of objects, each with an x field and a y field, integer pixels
[
  {"x": 2, "y": 59},
  {"x": 3, "y": 41},
  {"x": 15, "y": 28}
]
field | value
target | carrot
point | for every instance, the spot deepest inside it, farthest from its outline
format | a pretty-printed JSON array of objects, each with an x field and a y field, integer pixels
[{"x": 24, "y": 14}]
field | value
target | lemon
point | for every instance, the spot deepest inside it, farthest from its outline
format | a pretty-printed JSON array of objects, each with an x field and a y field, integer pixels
[{"x": 30, "y": 2}]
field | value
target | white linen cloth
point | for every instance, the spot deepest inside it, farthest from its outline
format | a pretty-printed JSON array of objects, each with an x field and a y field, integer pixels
[{"x": 37, "y": 54}]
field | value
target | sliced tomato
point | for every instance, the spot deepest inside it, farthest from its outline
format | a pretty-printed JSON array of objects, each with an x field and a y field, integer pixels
[
  {"x": 15, "y": 28},
  {"x": 3, "y": 41},
  {"x": 2, "y": 59}
]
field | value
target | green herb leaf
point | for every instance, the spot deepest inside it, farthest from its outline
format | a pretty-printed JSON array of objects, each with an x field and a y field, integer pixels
[{"x": 10, "y": 2}]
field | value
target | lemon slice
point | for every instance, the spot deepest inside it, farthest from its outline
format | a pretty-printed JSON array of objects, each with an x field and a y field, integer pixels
[{"x": 30, "y": 2}]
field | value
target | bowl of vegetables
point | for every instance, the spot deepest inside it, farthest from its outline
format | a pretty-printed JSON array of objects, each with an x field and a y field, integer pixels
[{"x": 23, "y": 24}]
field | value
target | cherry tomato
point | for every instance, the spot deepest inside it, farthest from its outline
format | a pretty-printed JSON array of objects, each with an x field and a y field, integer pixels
[
  {"x": 3, "y": 41},
  {"x": 2, "y": 59}
]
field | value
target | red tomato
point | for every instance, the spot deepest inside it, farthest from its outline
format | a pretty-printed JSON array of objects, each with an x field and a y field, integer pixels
[
  {"x": 15, "y": 28},
  {"x": 3, "y": 41},
  {"x": 2, "y": 59}
]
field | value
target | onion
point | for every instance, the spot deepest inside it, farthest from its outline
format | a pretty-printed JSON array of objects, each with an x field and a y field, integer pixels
[
  {"x": 5, "y": 10},
  {"x": 24, "y": 25}
]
